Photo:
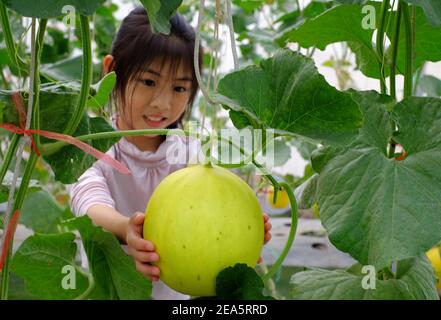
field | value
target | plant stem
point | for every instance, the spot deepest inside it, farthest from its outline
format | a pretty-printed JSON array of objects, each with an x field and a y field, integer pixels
[
  {"x": 9, "y": 155},
  {"x": 36, "y": 76},
  {"x": 380, "y": 43},
  {"x": 394, "y": 45},
  {"x": 51, "y": 148},
  {"x": 89, "y": 288},
  {"x": 86, "y": 77},
  {"x": 9, "y": 40},
  {"x": 291, "y": 236},
  {"x": 408, "y": 76},
  {"x": 21, "y": 194},
  {"x": 5, "y": 82},
  {"x": 16, "y": 203}
]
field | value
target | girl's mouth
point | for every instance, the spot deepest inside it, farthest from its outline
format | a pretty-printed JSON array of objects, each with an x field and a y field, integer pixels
[{"x": 154, "y": 121}]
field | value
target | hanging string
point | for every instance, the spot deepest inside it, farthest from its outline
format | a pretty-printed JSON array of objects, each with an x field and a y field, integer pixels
[
  {"x": 196, "y": 54},
  {"x": 23, "y": 141},
  {"x": 232, "y": 38}
]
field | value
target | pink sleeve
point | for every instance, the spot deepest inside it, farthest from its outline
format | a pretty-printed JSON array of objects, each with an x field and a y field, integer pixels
[{"x": 90, "y": 189}]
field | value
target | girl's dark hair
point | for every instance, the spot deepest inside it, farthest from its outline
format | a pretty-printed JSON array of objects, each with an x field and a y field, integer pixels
[{"x": 135, "y": 47}]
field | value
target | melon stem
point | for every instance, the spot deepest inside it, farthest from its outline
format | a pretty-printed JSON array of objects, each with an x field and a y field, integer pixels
[{"x": 291, "y": 236}]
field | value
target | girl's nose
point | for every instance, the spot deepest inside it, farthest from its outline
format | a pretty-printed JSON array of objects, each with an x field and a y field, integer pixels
[{"x": 162, "y": 100}]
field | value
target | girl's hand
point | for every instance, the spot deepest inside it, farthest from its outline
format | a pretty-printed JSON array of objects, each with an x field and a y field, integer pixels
[
  {"x": 267, "y": 235},
  {"x": 143, "y": 251},
  {"x": 268, "y": 226}
]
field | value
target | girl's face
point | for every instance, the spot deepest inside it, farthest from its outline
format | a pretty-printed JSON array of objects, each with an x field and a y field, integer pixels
[{"x": 155, "y": 100}]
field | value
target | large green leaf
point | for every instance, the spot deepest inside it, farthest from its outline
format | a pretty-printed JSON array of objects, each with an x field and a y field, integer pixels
[
  {"x": 63, "y": 70},
  {"x": 160, "y": 12},
  {"x": 426, "y": 45},
  {"x": 308, "y": 195},
  {"x": 105, "y": 25},
  {"x": 69, "y": 162},
  {"x": 432, "y": 8},
  {"x": 41, "y": 213},
  {"x": 415, "y": 280},
  {"x": 40, "y": 261},
  {"x": 114, "y": 271},
  {"x": 57, "y": 103},
  {"x": 344, "y": 24},
  {"x": 287, "y": 93},
  {"x": 51, "y": 8},
  {"x": 240, "y": 282},
  {"x": 68, "y": 69},
  {"x": 378, "y": 209},
  {"x": 338, "y": 24}
]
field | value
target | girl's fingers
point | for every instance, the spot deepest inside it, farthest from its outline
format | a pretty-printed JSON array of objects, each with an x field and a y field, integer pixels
[
  {"x": 267, "y": 226},
  {"x": 138, "y": 218},
  {"x": 149, "y": 271},
  {"x": 143, "y": 256},
  {"x": 139, "y": 243},
  {"x": 265, "y": 217},
  {"x": 267, "y": 237},
  {"x": 260, "y": 260},
  {"x": 136, "y": 222}
]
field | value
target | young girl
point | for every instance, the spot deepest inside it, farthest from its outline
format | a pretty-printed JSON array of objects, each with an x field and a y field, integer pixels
[{"x": 155, "y": 88}]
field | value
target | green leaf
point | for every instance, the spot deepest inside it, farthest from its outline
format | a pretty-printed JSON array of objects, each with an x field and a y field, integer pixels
[
  {"x": 249, "y": 6},
  {"x": 287, "y": 93},
  {"x": 308, "y": 195},
  {"x": 425, "y": 48},
  {"x": 304, "y": 147},
  {"x": 34, "y": 186},
  {"x": 40, "y": 261},
  {"x": 42, "y": 213},
  {"x": 239, "y": 283},
  {"x": 321, "y": 156},
  {"x": 114, "y": 271},
  {"x": 51, "y": 8},
  {"x": 103, "y": 90},
  {"x": 63, "y": 70},
  {"x": 105, "y": 28},
  {"x": 338, "y": 24},
  {"x": 378, "y": 209},
  {"x": 432, "y": 9},
  {"x": 415, "y": 280},
  {"x": 9, "y": 115},
  {"x": 352, "y": 1},
  {"x": 281, "y": 151},
  {"x": 160, "y": 12},
  {"x": 239, "y": 120},
  {"x": 430, "y": 85},
  {"x": 344, "y": 24},
  {"x": 55, "y": 46},
  {"x": 57, "y": 103},
  {"x": 68, "y": 69}
]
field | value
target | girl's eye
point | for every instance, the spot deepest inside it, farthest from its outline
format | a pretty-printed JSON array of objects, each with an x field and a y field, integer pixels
[
  {"x": 180, "y": 89},
  {"x": 148, "y": 82}
]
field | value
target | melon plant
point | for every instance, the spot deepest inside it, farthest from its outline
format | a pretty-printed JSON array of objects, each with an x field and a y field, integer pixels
[{"x": 203, "y": 219}]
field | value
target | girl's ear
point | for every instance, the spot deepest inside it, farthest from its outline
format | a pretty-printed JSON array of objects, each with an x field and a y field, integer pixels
[{"x": 107, "y": 62}]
